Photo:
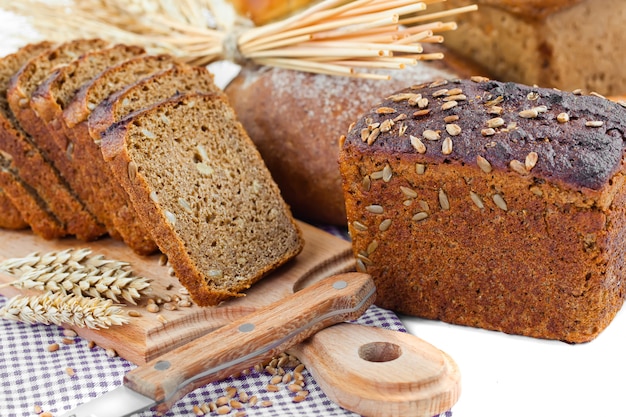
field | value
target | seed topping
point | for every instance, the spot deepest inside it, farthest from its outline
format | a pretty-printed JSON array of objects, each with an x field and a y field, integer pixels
[
  {"x": 594, "y": 123},
  {"x": 518, "y": 167},
  {"x": 387, "y": 173},
  {"x": 408, "y": 192},
  {"x": 449, "y": 104},
  {"x": 386, "y": 126},
  {"x": 488, "y": 132},
  {"x": 443, "y": 200},
  {"x": 499, "y": 201},
  {"x": 483, "y": 164},
  {"x": 451, "y": 118},
  {"x": 375, "y": 209},
  {"x": 495, "y": 122},
  {"x": 453, "y": 129},
  {"x": 384, "y": 225},
  {"x": 422, "y": 215},
  {"x": 431, "y": 135},
  {"x": 562, "y": 118},
  {"x": 529, "y": 114},
  {"x": 531, "y": 160},
  {"x": 479, "y": 79},
  {"x": 385, "y": 110},
  {"x": 477, "y": 200},
  {"x": 446, "y": 146},
  {"x": 132, "y": 170}
]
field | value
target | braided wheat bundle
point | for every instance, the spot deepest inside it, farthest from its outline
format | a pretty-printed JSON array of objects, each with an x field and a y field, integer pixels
[{"x": 337, "y": 37}]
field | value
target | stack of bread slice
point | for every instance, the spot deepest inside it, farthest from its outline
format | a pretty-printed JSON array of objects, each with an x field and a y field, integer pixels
[{"x": 180, "y": 174}]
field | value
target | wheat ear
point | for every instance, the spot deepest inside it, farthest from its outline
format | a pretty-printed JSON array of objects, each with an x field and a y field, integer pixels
[
  {"x": 75, "y": 272},
  {"x": 60, "y": 309}
]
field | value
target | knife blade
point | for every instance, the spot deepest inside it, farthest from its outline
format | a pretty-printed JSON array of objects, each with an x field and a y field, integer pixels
[{"x": 160, "y": 383}]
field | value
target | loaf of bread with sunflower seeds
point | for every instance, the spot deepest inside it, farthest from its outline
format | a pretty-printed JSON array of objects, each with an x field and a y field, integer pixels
[{"x": 489, "y": 204}]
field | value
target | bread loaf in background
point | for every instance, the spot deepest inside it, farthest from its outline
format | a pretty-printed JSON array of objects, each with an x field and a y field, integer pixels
[
  {"x": 496, "y": 205},
  {"x": 567, "y": 44},
  {"x": 295, "y": 119}
]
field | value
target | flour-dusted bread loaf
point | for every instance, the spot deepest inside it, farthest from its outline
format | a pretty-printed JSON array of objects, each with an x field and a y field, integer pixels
[
  {"x": 493, "y": 205},
  {"x": 301, "y": 118},
  {"x": 192, "y": 172},
  {"x": 48, "y": 102},
  {"x": 567, "y": 44},
  {"x": 63, "y": 201},
  {"x": 53, "y": 210}
]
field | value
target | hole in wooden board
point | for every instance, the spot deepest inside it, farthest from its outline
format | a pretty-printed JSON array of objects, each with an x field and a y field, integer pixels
[{"x": 379, "y": 352}]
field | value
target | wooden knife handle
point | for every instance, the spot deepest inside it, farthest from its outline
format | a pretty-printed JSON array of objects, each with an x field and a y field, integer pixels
[{"x": 252, "y": 339}]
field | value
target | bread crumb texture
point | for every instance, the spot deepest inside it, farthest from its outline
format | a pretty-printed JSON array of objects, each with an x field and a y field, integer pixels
[
  {"x": 519, "y": 230},
  {"x": 191, "y": 170}
]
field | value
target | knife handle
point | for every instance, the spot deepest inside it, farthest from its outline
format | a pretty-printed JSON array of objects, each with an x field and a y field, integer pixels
[{"x": 252, "y": 339}]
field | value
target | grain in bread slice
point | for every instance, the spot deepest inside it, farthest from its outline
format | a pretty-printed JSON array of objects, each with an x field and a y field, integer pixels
[
  {"x": 192, "y": 172},
  {"x": 49, "y": 101},
  {"x": 53, "y": 187}
]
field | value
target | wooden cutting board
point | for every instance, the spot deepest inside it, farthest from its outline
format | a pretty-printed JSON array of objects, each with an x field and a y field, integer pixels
[{"x": 150, "y": 335}]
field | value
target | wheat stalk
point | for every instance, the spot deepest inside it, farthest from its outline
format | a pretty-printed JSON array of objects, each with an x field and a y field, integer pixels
[
  {"x": 76, "y": 272},
  {"x": 75, "y": 258},
  {"x": 61, "y": 310},
  {"x": 338, "y": 37}
]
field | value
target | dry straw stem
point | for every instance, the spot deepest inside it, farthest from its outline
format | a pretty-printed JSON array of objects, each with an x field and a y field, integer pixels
[
  {"x": 75, "y": 272},
  {"x": 338, "y": 37},
  {"x": 64, "y": 310}
]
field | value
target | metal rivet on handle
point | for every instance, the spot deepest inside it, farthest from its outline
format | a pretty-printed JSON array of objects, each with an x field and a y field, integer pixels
[
  {"x": 246, "y": 327},
  {"x": 340, "y": 285},
  {"x": 161, "y": 365}
]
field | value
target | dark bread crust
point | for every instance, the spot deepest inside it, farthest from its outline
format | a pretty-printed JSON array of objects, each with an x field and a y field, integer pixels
[{"x": 531, "y": 248}]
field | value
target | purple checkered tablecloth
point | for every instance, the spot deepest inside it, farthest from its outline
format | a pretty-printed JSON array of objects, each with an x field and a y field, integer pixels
[{"x": 33, "y": 379}]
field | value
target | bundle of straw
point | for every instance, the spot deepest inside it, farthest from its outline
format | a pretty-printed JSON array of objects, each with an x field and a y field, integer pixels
[{"x": 336, "y": 37}]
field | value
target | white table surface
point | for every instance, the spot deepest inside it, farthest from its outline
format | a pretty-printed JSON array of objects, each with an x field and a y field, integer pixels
[{"x": 515, "y": 376}]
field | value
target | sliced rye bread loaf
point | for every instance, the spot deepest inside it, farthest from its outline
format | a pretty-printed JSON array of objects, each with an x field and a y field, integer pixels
[
  {"x": 28, "y": 207},
  {"x": 10, "y": 213},
  {"x": 179, "y": 79},
  {"x": 192, "y": 172},
  {"x": 67, "y": 206},
  {"x": 48, "y": 101},
  {"x": 46, "y": 193},
  {"x": 10, "y": 217},
  {"x": 87, "y": 152}
]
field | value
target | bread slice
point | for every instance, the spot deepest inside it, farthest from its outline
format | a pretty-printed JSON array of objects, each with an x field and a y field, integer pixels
[
  {"x": 87, "y": 152},
  {"x": 193, "y": 173},
  {"x": 148, "y": 91},
  {"x": 49, "y": 101},
  {"x": 10, "y": 213},
  {"x": 28, "y": 208},
  {"x": 52, "y": 186},
  {"x": 10, "y": 217},
  {"x": 29, "y": 167}
]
